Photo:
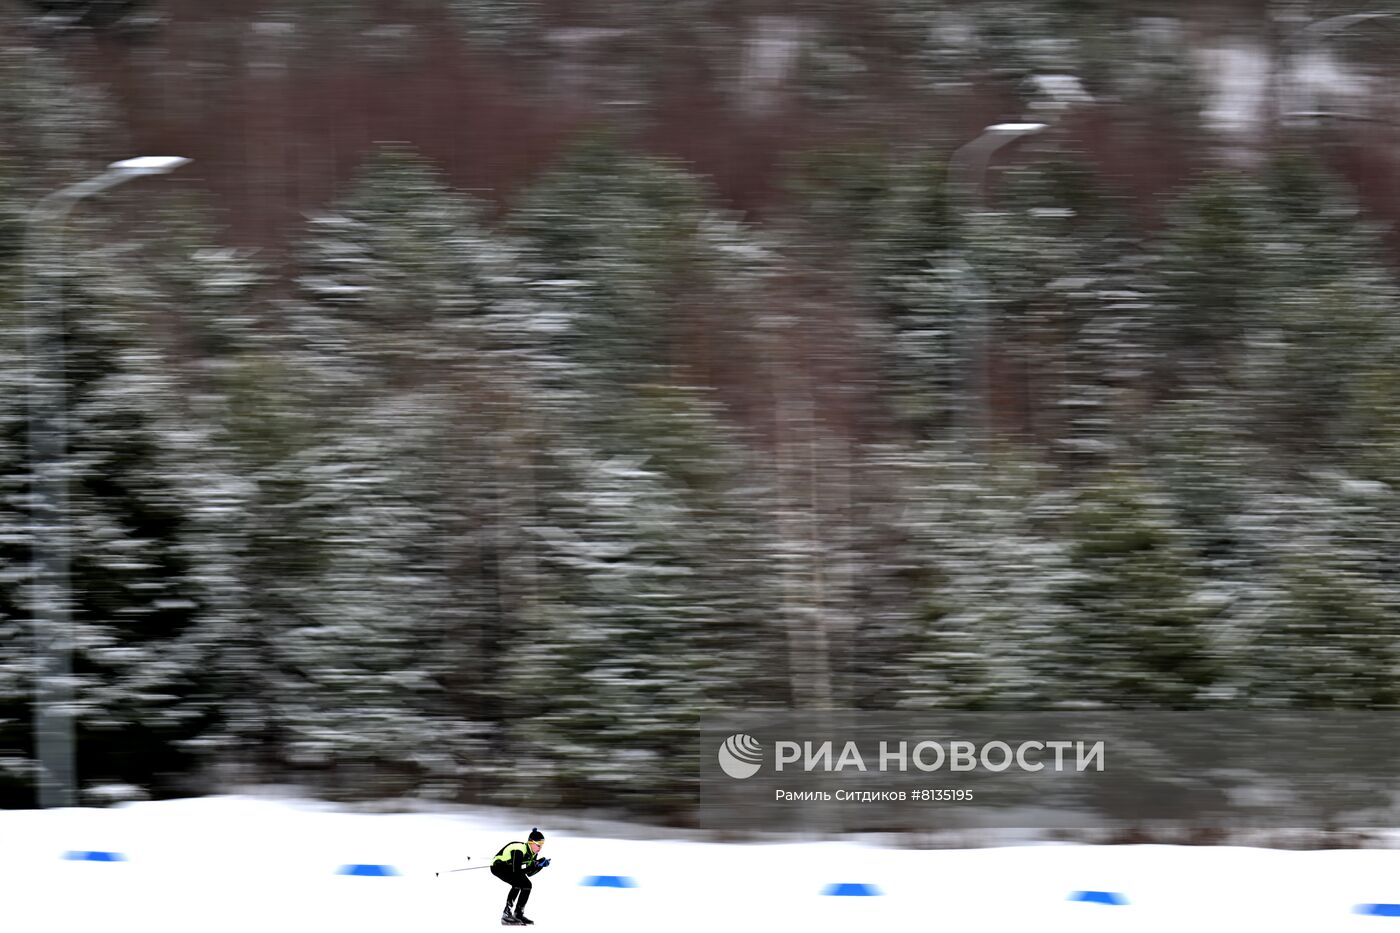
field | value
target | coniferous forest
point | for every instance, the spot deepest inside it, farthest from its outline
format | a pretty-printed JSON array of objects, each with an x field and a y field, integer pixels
[{"x": 747, "y": 371}]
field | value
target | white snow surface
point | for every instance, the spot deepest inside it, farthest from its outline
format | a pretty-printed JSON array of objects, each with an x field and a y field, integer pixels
[{"x": 250, "y": 864}]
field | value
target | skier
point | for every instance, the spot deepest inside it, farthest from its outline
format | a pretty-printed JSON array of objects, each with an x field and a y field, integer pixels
[{"x": 515, "y": 864}]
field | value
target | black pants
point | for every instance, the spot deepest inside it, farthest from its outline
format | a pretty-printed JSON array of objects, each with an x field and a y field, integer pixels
[{"x": 519, "y": 884}]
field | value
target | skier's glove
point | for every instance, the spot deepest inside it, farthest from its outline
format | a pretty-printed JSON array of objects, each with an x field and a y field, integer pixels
[{"x": 542, "y": 863}]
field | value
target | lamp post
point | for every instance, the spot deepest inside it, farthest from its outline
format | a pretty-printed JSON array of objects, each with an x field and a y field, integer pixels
[
  {"x": 50, "y": 594},
  {"x": 972, "y": 158},
  {"x": 967, "y": 169}
]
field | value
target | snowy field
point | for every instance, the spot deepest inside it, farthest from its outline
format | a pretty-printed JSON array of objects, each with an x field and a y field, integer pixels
[{"x": 243, "y": 864}]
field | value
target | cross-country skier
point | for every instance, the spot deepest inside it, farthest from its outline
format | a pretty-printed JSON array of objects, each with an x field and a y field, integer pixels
[{"x": 515, "y": 864}]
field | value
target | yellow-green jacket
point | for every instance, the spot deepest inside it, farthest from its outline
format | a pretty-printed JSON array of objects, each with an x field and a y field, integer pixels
[{"x": 519, "y": 856}]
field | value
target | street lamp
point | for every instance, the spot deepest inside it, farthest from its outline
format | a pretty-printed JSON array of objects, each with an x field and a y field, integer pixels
[
  {"x": 967, "y": 169},
  {"x": 973, "y": 157},
  {"x": 50, "y": 596}
]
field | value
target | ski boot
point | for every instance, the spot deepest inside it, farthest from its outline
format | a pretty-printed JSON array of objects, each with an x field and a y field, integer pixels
[{"x": 522, "y": 920}]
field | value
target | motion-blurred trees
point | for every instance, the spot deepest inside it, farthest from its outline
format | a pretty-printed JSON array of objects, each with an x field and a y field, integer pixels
[
  {"x": 496, "y": 502},
  {"x": 647, "y": 584}
]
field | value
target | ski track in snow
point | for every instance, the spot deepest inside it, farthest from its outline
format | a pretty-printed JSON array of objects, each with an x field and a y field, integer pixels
[{"x": 247, "y": 864}]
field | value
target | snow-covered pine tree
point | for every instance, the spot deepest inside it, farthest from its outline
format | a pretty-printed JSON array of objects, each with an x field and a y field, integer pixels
[
  {"x": 386, "y": 612},
  {"x": 652, "y": 601},
  {"x": 132, "y": 588},
  {"x": 16, "y": 683},
  {"x": 1142, "y": 635},
  {"x": 991, "y": 629}
]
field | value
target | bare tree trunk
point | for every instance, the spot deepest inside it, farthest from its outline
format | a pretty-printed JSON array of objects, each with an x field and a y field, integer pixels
[{"x": 798, "y": 533}]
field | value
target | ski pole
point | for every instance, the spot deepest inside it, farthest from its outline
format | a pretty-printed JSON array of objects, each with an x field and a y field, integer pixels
[{"x": 451, "y": 870}]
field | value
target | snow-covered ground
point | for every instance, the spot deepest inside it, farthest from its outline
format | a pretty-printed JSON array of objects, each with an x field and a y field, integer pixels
[{"x": 247, "y": 864}]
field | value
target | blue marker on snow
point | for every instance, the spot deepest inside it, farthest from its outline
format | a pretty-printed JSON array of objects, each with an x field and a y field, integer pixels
[
  {"x": 851, "y": 889},
  {"x": 93, "y": 856},
  {"x": 608, "y": 881},
  {"x": 368, "y": 871},
  {"x": 1112, "y": 898}
]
